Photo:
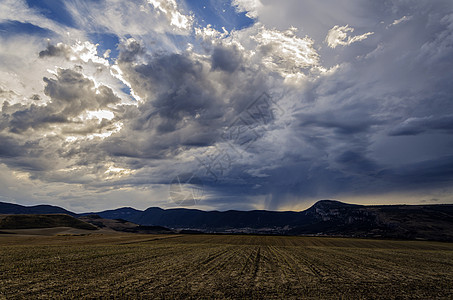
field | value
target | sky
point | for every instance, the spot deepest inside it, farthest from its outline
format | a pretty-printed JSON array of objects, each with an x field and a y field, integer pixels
[{"x": 218, "y": 105}]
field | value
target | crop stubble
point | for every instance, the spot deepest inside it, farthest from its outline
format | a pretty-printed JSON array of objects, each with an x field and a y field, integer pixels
[{"x": 222, "y": 266}]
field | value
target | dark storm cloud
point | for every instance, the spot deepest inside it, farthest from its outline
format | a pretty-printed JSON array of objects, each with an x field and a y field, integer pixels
[
  {"x": 181, "y": 107},
  {"x": 24, "y": 154},
  {"x": 326, "y": 149},
  {"x": 72, "y": 93},
  {"x": 9, "y": 147},
  {"x": 347, "y": 121},
  {"x": 428, "y": 173},
  {"x": 183, "y": 91},
  {"x": 226, "y": 59},
  {"x": 18, "y": 118},
  {"x": 414, "y": 126},
  {"x": 130, "y": 50},
  {"x": 186, "y": 104},
  {"x": 56, "y": 50},
  {"x": 356, "y": 161},
  {"x": 397, "y": 81},
  {"x": 34, "y": 117}
]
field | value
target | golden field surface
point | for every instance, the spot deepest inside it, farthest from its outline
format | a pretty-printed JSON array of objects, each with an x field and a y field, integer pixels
[{"x": 119, "y": 266}]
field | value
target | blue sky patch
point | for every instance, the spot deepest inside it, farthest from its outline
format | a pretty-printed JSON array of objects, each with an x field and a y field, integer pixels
[
  {"x": 12, "y": 28},
  {"x": 219, "y": 14},
  {"x": 106, "y": 41},
  {"x": 54, "y": 10}
]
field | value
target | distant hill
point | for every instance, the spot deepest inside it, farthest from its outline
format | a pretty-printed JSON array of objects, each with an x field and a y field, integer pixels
[
  {"x": 326, "y": 217},
  {"x": 193, "y": 218},
  {"x": 14, "y": 209},
  {"x": 123, "y": 225},
  {"x": 117, "y": 225},
  {"x": 42, "y": 221},
  {"x": 125, "y": 213}
]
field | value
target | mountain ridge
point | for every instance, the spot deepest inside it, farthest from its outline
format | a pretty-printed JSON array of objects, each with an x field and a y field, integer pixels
[{"x": 325, "y": 217}]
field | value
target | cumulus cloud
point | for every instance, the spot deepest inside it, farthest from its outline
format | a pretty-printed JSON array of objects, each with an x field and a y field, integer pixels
[
  {"x": 251, "y": 7},
  {"x": 187, "y": 98},
  {"x": 71, "y": 95},
  {"x": 281, "y": 52},
  {"x": 56, "y": 50},
  {"x": 285, "y": 51},
  {"x": 172, "y": 13}
]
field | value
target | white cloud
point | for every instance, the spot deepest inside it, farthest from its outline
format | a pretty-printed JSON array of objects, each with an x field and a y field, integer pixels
[
  {"x": 400, "y": 20},
  {"x": 285, "y": 52},
  {"x": 210, "y": 34},
  {"x": 20, "y": 66},
  {"x": 171, "y": 11},
  {"x": 282, "y": 52},
  {"x": 251, "y": 7},
  {"x": 125, "y": 18},
  {"x": 338, "y": 35},
  {"x": 25, "y": 60}
]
